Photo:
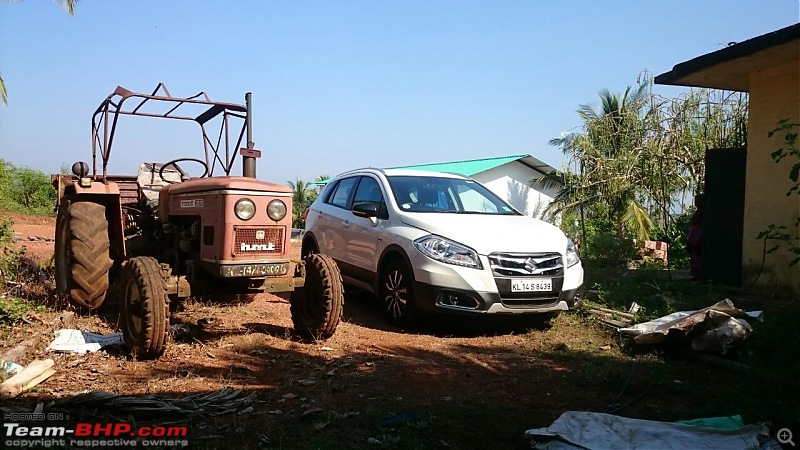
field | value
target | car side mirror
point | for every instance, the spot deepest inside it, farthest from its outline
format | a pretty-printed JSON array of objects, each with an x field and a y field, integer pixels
[{"x": 365, "y": 209}]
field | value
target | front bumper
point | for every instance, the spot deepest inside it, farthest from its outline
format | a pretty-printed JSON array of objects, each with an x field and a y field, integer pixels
[
  {"x": 440, "y": 287},
  {"x": 442, "y": 299}
]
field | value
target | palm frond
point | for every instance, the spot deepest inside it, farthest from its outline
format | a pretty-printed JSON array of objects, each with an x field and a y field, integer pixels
[
  {"x": 3, "y": 92},
  {"x": 149, "y": 409},
  {"x": 637, "y": 220},
  {"x": 553, "y": 180},
  {"x": 69, "y": 6}
]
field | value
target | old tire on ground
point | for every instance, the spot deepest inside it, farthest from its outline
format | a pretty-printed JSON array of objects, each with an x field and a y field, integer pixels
[
  {"x": 317, "y": 306},
  {"x": 145, "y": 308},
  {"x": 82, "y": 258},
  {"x": 396, "y": 292}
]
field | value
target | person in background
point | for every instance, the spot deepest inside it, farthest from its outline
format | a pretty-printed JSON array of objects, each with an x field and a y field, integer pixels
[{"x": 695, "y": 239}]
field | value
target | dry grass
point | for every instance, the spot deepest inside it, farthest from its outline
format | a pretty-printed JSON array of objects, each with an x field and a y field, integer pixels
[{"x": 453, "y": 383}]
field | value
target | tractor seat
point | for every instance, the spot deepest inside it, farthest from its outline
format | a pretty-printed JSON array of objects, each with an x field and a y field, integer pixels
[{"x": 150, "y": 183}]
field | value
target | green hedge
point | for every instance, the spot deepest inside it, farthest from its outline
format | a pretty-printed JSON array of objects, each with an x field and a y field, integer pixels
[{"x": 26, "y": 190}]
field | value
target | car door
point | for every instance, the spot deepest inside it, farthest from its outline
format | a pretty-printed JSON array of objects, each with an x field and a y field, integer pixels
[
  {"x": 332, "y": 218},
  {"x": 364, "y": 233}
]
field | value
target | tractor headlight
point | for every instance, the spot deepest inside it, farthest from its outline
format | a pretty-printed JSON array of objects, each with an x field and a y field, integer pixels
[
  {"x": 245, "y": 209},
  {"x": 276, "y": 210}
]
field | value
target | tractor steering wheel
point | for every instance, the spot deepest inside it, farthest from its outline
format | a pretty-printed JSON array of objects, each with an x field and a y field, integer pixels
[{"x": 184, "y": 175}]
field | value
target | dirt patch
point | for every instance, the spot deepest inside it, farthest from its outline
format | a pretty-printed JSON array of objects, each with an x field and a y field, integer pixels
[
  {"x": 452, "y": 383},
  {"x": 35, "y": 233}
]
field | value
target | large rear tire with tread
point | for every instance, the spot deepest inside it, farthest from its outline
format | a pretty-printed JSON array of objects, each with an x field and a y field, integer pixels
[
  {"x": 82, "y": 259},
  {"x": 145, "y": 308},
  {"x": 317, "y": 306}
]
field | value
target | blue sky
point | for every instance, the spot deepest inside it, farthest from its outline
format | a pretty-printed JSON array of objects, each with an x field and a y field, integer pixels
[{"x": 340, "y": 85}]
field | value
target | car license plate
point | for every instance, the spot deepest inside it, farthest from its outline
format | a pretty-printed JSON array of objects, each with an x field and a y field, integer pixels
[
  {"x": 254, "y": 270},
  {"x": 534, "y": 285}
]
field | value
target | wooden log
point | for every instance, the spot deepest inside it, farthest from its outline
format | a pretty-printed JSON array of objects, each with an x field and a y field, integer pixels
[
  {"x": 619, "y": 313},
  {"x": 33, "y": 374},
  {"x": 606, "y": 315}
]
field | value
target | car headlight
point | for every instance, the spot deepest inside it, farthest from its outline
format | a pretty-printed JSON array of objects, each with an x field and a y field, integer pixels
[
  {"x": 572, "y": 254},
  {"x": 245, "y": 209},
  {"x": 276, "y": 210},
  {"x": 447, "y": 251}
]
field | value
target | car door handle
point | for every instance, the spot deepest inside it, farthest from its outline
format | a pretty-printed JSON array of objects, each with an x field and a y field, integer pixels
[{"x": 345, "y": 224}]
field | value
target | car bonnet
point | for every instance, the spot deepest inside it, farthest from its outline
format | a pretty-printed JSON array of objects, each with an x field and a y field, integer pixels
[{"x": 487, "y": 233}]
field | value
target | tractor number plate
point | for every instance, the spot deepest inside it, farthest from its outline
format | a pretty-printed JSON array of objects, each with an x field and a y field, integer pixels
[{"x": 254, "y": 270}]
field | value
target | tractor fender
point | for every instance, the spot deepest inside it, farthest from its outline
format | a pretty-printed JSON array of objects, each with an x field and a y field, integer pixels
[{"x": 106, "y": 194}]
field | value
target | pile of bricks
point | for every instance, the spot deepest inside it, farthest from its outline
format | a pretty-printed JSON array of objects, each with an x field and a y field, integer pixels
[{"x": 654, "y": 251}]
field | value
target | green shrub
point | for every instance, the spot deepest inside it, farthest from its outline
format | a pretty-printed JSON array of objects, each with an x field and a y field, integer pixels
[
  {"x": 6, "y": 231},
  {"x": 609, "y": 250},
  {"x": 14, "y": 309},
  {"x": 676, "y": 236},
  {"x": 26, "y": 190}
]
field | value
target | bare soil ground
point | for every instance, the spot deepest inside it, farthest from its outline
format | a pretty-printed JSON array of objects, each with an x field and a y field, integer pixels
[{"x": 453, "y": 383}]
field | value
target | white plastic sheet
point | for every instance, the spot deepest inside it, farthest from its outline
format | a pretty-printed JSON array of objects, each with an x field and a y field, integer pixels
[
  {"x": 77, "y": 341},
  {"x": 588, "y": 430},
  {"x": 718, "y": 328}
]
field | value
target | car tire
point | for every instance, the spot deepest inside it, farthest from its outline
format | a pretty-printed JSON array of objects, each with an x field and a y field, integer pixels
[{"x": 397, "y": 295}]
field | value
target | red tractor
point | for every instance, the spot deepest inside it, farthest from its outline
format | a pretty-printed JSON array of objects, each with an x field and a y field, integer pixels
[{"x": 163, "y": 235}]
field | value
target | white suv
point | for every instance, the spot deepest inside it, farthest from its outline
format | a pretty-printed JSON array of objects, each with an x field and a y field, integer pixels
[{"x": 427, "y": 242}]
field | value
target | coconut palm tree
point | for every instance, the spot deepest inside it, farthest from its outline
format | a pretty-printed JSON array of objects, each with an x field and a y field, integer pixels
[
  {"x": 611, "y": 154},
  {"x": 69, "y": 6},
  {"x": 302, "y": 198}
]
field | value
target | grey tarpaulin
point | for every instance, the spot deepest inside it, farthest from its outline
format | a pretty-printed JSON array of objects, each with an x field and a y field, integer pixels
[
  {"x": 717, "y": 328},
  {"x": 588, "y": 430}
]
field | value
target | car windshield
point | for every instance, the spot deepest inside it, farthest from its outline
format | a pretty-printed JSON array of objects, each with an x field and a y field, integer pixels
[{"x": 446, "y": 195}]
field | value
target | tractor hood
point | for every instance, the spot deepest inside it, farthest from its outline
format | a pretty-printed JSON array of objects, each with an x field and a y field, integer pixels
[{"x": 227, "y": 183}]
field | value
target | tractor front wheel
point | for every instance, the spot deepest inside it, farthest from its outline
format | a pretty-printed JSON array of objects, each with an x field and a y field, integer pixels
[
  {"x": 82, "y": 253},
  {"x": 317, "y": 306},
  {"x": 145, "y": 308}
]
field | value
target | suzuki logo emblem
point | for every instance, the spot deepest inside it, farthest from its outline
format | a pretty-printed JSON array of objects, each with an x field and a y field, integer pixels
[
  {"x": 530, "y": 265},
  {"x": 260, "y": 234}
]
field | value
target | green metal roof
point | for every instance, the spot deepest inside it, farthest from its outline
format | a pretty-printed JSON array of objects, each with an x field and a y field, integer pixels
[{"x": 468, "y": 167}]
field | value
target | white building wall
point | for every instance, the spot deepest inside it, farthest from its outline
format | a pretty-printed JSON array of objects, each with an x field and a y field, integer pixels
[{"x": 510, "y": 182}]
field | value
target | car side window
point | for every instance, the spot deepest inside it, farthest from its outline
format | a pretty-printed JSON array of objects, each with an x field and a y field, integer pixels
[
  {"x": 328, "y": 191},
  {"x": 369, "y": 191},
  {"x": 340, "y": 194}
]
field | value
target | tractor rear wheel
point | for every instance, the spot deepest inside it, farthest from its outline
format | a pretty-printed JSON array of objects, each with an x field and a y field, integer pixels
[
  {"x": 82, "y": 253},
  {"x": 145, "y": 308},
  {"x": 317, "y": 306}
]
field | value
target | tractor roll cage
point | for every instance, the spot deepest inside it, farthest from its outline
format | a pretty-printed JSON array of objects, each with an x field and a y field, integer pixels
[{"x": 104, "y": 123}]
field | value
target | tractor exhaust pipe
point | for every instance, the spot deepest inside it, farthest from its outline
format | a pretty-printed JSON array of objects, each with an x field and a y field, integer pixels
[{"x": 248, "y": 154}]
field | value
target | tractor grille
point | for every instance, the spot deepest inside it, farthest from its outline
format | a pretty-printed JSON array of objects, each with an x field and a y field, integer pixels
[{"x": 257, "y": 241}]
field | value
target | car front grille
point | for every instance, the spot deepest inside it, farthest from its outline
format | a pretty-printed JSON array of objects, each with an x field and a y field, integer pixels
[
  {"x": 530, "y": 299},
  {"x": 257, "y": 241},
  {"x": 526, "y": 264}
]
